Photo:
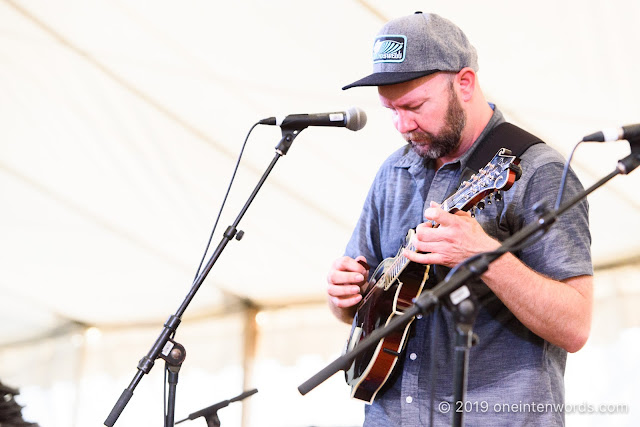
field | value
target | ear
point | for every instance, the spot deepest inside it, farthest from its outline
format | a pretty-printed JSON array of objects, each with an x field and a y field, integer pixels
[{"x": 466, "y": 82}]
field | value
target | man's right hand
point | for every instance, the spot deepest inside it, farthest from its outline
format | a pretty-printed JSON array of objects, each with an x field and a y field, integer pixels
[{"x": 347, "y": 281}]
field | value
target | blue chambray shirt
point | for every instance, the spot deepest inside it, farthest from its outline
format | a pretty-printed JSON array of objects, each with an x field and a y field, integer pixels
[{"x": 514, "y": 376}]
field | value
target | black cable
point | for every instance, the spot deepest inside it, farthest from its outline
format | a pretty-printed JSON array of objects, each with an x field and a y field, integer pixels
[
  {"x": 224, "y": 201},
  {"x": 165, "y": 402},
  {"x": 564, "y": 176},
  {"x": 215, "y": 225}
]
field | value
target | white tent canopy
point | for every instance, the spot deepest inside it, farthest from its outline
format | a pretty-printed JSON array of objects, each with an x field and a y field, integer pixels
[{"x": 120, "y": 124}]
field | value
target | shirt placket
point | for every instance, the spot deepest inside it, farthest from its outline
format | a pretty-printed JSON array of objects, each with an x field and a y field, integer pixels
[{"x": 416, "y": 364}]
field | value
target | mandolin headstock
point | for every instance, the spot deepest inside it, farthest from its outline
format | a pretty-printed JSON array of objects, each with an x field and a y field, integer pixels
[{"x": 499, "y": 174}]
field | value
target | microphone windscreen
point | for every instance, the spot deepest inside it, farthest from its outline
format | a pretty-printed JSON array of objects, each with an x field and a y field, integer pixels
[{"x": 356, "y": 119}]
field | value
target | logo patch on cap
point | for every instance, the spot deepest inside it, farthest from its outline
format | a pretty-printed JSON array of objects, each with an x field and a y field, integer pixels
[{"x": 389, "y": 48}]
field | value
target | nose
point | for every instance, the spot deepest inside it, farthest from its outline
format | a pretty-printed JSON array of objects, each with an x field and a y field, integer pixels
[{"x": 405, "y": 121}]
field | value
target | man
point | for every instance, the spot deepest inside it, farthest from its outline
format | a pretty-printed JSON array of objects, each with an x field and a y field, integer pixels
[{"x": 534, "y": 306}]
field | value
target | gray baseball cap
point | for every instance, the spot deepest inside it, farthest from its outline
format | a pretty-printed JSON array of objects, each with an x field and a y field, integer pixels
[{"x": 415, "y": 46}]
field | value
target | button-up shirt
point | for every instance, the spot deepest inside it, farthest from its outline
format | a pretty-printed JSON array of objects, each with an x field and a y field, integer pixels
[{"x": 514, "y": 376}]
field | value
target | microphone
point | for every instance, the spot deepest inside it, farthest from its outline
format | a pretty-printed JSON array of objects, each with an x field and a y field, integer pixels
[
  {"x": 630, "y": 132},
  {"x": 353, "y": 119}
]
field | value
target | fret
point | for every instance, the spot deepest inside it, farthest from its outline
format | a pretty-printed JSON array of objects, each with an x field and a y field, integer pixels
[{"x": 480, "y": 183}]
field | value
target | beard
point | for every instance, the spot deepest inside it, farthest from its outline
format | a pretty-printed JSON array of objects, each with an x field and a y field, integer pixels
[{"x": 433, "y": 146}]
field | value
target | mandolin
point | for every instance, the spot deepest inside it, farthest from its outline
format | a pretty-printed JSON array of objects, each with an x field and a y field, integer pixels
[{"x": 396, "y": 282}]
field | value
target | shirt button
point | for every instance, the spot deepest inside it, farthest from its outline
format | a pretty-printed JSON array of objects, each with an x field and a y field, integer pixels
[
  {"x": 413, "y": 356},
  {"x": 409, "y": 399}
]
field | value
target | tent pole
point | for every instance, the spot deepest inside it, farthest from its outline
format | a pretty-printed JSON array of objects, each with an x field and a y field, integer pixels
[{"x": 249, "y": 355}]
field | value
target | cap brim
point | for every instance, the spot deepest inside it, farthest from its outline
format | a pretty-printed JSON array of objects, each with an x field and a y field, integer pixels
[{"x": 385, "y": 79}]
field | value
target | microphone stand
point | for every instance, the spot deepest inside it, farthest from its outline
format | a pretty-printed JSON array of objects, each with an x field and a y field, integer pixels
[
  {"x": 447, "y": 289},
  {"x": 210, "y": 413},
  {"x": 164, "y": 347}
]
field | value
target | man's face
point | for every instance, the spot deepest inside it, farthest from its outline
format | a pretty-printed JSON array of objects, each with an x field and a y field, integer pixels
[{"x": 427, "y": 113}]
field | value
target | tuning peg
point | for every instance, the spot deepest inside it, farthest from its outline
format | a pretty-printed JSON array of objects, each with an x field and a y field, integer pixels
[
  {"x": 488, "y": 199},
  {"x": 473, "y": 212},
  {"x": 498, "y": 196},
  {"x": 480, "y": 205}
]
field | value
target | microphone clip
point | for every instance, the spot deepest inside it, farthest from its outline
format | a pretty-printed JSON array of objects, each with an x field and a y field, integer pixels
[
  {"x": 288, "y": 135},
  {"x": 632, "y": 161}
]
